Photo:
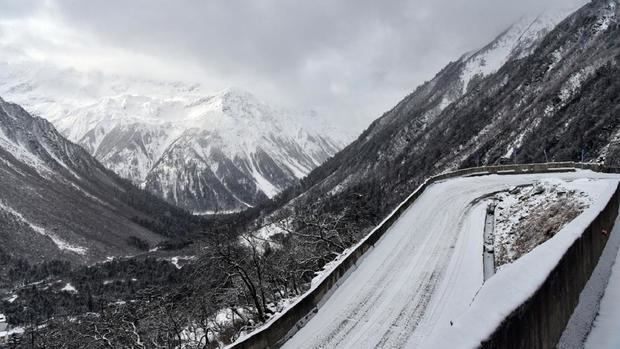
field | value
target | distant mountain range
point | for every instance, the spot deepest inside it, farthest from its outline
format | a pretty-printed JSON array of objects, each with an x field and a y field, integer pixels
[
  {"x": 58, "y": 202},
  {"x": 544, "y": 90},
  {"x": 206, "y": 153}
]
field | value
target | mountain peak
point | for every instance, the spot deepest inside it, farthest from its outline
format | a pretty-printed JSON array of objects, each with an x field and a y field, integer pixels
[
  {"x": 518, "y": 41},
  {"x": 202, "y": 151}
]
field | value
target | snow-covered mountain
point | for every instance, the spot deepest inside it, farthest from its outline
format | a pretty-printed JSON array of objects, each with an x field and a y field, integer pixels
[
  {"x": 454, "y": 81},
  {"x": 543, "y": 90},
  {"x": 206, "y": 153},
  {"x": 58, "y": 202},
  {"x": 516, "y": 42}
]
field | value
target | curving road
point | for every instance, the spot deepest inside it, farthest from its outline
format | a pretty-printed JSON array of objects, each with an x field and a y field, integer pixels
[{"x": 424, "y": 272}]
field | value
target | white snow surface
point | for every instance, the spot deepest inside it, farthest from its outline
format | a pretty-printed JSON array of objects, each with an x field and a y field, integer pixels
[
  {"x": 427, "y": 271},
  {"x": 21, "y": 153},
  {"x": 580, "y": 323},
  {"x": 512, "y": 208},
  {"x": 604, "y": 333},
  {"x": 180, "y": 261},
  {"x": 608, "y": 17},
  {"x": 10, "y": 299},
  {"x": 524, "y": 276},
  {"x": 573, "y": 85},
  {"x": 13, "y": 331}
]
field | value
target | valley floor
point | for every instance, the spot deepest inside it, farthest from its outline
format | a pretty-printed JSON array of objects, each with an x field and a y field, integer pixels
[{"x": 426, "y": 270}]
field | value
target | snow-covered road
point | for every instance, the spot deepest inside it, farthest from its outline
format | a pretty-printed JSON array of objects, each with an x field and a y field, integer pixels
[{"x": 421, "y": 275}]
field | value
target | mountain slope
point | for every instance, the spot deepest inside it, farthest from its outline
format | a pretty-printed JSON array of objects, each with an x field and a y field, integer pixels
[
  {"x": 203, "y": 152},
  {"x": 554, "y": 101},
  {"x": 223, "y": 152},
  {"x": 58, "y": 202},
  {"x": 461, "y": 76}
]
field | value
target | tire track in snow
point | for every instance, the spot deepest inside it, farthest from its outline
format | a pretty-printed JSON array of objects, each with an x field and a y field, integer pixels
[
  {"x": 412, "y": 315},
  {"x": 394, "y": 325},
  {"x": 398, "y": 290}
]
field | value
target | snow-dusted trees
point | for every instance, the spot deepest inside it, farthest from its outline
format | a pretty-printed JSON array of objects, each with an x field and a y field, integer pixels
[{"x": 243, "y": 265}]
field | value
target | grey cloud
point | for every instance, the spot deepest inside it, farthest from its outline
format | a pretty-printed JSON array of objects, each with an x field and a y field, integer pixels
[
  {"x": 351, "y": 58},
  {"x": 11, "y": 9}
]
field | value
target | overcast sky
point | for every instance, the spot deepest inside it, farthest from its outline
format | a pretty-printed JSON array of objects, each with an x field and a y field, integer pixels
[{"x": 350, "y": 60}]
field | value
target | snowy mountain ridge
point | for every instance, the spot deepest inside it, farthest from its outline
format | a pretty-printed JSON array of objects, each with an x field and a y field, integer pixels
[
  {"x": 206, "y": 153},
  {"x": 57, "y": 201},
  {"x": 517, "y": 42},
  {"x": 543, "y": 70},
  {"x": 460, "y": 77}
]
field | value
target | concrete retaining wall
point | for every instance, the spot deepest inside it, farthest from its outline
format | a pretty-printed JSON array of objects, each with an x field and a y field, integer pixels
[
  {"x": 541, "y": 320},
  {"x": 272, "y": 335}
]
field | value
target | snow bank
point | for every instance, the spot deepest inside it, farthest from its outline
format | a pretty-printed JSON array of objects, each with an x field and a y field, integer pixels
[
  {"x": 580, "y": 323},
  {"x": 527, "y": 216},
  {"x": 13, "y": 331},
  {"x": 337, "y": 273},
  {"x": 517, "y": 282}
]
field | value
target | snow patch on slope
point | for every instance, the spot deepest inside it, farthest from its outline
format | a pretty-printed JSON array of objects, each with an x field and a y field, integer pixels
[
  {"x": 608, "y": 17},
  {"x": 517, "y": 42},
  {"x": 69, "y": 288},
  {"x": 60, "y": 243},
  {"x": 519, "y": 212},
  {"x": 573, "y": 84}
]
